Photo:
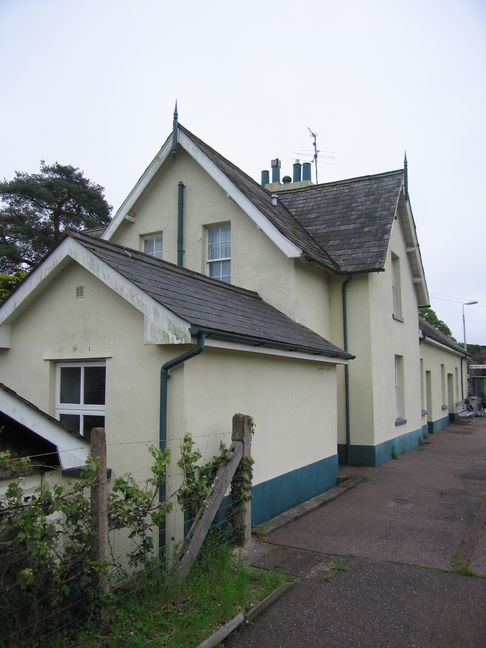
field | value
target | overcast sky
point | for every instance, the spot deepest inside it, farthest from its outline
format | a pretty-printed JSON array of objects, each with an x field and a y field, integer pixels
[{"x": 92, "y": 83}]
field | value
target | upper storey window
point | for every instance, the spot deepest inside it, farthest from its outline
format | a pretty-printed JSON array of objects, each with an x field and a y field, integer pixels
[
  {"x": 153, "y": 245},
  {"x": 218, "y": 263},
  {"x": 396, "y": 287}
]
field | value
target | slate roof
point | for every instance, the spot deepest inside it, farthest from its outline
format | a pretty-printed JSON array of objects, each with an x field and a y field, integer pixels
[
  {"x": 350, "y": 219},
  {"x": 278, "y": 215},
  {"x": 208, "y": 303},
  {"x": 429, "y": 331}
]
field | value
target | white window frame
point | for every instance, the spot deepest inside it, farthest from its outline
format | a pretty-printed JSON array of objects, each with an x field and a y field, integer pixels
[
  {"x": 78, "y": 409},
  {"x": 443, "y": 387},
  {"x": 218, "y": 260},
  {"x": 399, "y": 391},
  {"x": 146, "y": 238},
  {"x": 396, "y": 287}
]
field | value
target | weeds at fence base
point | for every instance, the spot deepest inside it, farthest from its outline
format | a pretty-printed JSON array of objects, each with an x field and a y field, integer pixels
[{"x": 148, "y": 612}]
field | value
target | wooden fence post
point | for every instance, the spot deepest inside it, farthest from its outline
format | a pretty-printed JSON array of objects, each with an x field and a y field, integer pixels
[
  {"x": 241, "y": 432},
  {"x": 99, "y": 513}
]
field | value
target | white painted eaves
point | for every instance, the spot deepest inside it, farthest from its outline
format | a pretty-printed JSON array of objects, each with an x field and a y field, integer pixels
[
  {"x": 287, "y": 247},
  {"x": 294, "y": 355},
  {"x": 123, "y": 211},
  {"x": 413, "y": 248},
  {"x": 161, "y": 326},
  {"x": 72, "y": 450}
]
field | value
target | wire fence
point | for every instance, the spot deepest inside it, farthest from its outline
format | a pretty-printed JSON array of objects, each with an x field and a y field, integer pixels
[{"x": 36, "y": 607}]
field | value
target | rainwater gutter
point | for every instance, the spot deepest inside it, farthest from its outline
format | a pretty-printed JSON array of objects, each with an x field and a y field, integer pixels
[
  {"x": 180, "y": 222},
  {"x": 164, "y": 378},
  {"x": 346, "y": 371}
]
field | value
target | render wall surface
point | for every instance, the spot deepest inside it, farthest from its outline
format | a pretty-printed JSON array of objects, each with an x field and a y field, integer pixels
[
  {"x": 293, "y": 402},
  {"x": 439, "y": 398},
  {"x": 391, "y": 337},
  {"x": 375, "y": 337},
  {"x": 57, "y": 326},
  {"x": 292, "y": 286}
]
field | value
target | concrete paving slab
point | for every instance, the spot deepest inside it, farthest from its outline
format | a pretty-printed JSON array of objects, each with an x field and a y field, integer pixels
[{"x": 287, "y": 561}]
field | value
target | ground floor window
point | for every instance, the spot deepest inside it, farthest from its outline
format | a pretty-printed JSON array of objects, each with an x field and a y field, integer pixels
[
  {"x": 80, "y": 396},
  {"x": 399, "y": 391}
]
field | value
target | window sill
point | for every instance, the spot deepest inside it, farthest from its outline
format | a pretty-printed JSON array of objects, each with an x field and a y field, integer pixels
[
  {"x": 398, "y": 318},
  {"x": 76, "y": 472},
  {"x": 444, "y": 407},
  {"x": 400, "y": 421}
]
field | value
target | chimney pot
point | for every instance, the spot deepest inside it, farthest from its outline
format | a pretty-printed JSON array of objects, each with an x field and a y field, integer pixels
[{"x": 276, "y": 164}]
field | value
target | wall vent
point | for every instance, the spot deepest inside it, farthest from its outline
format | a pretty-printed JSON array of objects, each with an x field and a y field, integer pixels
[{"x": 79, "y": 291}]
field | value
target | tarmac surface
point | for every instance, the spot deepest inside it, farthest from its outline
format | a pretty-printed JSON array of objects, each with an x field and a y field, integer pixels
[{"x": 402, "y": 534}]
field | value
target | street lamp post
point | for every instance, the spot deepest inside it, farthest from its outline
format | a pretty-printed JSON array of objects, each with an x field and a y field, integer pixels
[{"x": 469, "y": 303}]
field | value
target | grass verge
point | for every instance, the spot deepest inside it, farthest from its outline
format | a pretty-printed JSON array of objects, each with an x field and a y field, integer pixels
[{"x": 150, "y": 613}]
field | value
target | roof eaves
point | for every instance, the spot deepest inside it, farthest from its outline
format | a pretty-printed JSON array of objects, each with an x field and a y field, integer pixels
[
  {"x": 72, "y": 449},
  {"x": 332, "y": 352},
  {"x": 140, "y": 186}
]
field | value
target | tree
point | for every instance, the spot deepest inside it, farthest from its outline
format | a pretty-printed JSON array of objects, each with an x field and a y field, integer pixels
[
  {"x": 9, "y": 282},
  {"x": 431, "y": 317},
  {"x": 38, "y": 207}
]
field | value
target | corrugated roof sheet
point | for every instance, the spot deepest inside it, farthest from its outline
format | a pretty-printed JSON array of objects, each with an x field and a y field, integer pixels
[{"x": 208, "y": 303}]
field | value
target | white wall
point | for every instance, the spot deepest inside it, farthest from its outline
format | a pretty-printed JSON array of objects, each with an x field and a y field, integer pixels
[
  {"x": 390, "y": 338},
  {"x": 433, "y": 357}
]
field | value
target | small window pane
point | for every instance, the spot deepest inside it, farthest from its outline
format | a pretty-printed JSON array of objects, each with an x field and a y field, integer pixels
[
  {"x": 226, "y": 271},
  {"x": 153, "y": 245},
  {"x": 90, "y": 422},
  {"x": 148, "y": 246},
  {"x": 70, "y": 422},
  {"x": 94, "y": 385},
  {"x": 70, "y": 384},
  {"x": 215, "y": 270}
]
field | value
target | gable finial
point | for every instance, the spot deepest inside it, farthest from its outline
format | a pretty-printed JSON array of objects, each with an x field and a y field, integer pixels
[
  {"x": 405, "y": 174},
  {"x": 174, "y": 131}
]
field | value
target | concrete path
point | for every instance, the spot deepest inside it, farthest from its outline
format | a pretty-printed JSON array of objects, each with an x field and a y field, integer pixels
[{"x": 399, "y": 531}]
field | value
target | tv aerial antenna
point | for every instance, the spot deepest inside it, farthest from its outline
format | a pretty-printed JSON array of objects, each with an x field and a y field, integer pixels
[{"x": 316, "y": 151}]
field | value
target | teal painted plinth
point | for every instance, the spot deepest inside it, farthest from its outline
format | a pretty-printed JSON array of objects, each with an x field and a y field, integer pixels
[
  {"x": 435, "y": 426},
  {"x": 368, "y": 455},
  {"x": 425, "y": 428},
  {"x": 342, "y": 454},
  {"x": 272, "y": 497}
]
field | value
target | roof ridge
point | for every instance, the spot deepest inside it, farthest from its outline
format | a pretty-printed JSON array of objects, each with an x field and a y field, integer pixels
[
  {"x": 339, "y": 182},
  {"x": 172, "y": 267}
]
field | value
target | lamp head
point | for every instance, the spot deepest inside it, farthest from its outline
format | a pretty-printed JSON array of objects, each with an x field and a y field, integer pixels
[{"x": 470, "y": 303}]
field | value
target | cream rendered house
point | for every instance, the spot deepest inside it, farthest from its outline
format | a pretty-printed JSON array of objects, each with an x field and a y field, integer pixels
[
  {"x": 442, "y": 377},
  {"x": 252, "y": 299},
  {"x": 96, "y": 330}
]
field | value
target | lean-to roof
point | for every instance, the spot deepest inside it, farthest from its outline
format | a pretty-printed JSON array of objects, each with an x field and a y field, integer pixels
[{"x": 210, "y": 304}]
